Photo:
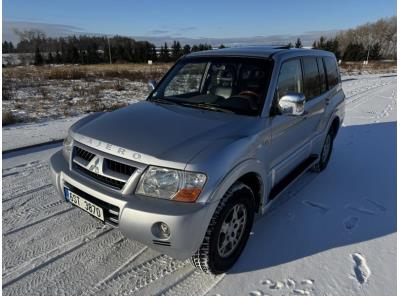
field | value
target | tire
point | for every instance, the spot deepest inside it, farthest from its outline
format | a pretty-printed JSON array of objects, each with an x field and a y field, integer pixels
[
  {"x": 240, "y": 199},
  {"x": 326, "y": 152}
]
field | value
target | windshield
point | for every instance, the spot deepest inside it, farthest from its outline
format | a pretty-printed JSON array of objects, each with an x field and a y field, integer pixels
[{"x": 235, "y": 85}]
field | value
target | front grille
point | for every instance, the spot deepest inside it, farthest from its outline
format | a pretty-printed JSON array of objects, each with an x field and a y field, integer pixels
[
  {"x": 111, "y": 212},
  {"x": 86, "y": 155},
  {"x": 109, "y": 172},
  {"x": 119, "y": 167},
  {"x": 103, "y": 179}
]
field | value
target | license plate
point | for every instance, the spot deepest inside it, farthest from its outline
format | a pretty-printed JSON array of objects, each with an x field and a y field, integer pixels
[{"x": 85, "y": 205}]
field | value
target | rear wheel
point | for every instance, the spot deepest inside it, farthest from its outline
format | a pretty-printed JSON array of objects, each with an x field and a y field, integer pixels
[{"x": 227, "y": 232}]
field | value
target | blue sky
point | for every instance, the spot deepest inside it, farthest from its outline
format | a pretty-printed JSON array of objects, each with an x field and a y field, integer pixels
[{"x": 202, "y": 18}]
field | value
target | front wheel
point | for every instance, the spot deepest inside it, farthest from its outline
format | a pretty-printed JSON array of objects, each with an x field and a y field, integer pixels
[
  {"x": 325, "y": 154},
  {"x": 227, "y": 232}
]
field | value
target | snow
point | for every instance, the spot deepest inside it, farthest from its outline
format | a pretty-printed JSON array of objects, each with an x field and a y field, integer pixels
[
  {"x": 22, "y": 135},
  {"x": 332, "y": 233}
]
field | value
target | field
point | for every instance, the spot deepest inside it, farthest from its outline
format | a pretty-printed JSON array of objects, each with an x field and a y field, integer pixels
[
  {"x": 35, "y": 94},
  {"x": 32, "y": 94},
  {"x": 332, "y": 233}
]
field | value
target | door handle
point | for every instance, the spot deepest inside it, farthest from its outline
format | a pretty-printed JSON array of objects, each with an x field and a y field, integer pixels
[{"x": 328, "y": 100}]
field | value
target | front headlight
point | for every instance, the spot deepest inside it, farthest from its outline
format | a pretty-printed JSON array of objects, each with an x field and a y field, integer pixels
[
  {"x": 67, "y": 147},
  {"x": 171, "y": 184}
]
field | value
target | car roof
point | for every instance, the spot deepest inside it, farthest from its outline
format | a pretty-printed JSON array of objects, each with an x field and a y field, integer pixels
[{"x": 259, "y": 52}]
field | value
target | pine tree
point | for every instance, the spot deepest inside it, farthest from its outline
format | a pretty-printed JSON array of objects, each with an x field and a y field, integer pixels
[
  {"x": 176, "y": 50},
  {"x": 354, "y": 52},
  {"x": 186, "y": 49},
  {"x": 58, "y": 59},
  {"x": 298, "y": 43},
  {"x": 221, "y": 46},
  {"x": 375, "y": 51},
  {"x": 75, "y": 55},
  {"x": 164, "y": 54},
  {"x": 50, "y": 59},
  {"x": 314, "y": 45},
  {"x": 38, "y": 57},
  {"x": 5, "y": 47},
  {"x": 194, "y": 48},
  {"x": 290, "y": 45}
]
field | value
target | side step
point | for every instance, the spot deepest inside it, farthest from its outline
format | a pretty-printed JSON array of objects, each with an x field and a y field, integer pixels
[{"x": 292, "y": 176}]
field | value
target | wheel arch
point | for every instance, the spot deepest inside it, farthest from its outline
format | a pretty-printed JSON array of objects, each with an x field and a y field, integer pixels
[
  {"x": 335, "y": 124},
  {"x": 251, "y": 173}
]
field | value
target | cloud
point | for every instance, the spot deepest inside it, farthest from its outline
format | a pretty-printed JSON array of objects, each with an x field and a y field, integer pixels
[
  {"x": 159, "y": 36},
  {"x": 188, "y": 29},
  {"x": 158, "y": 32},
  {"x": 52, "y": 30}
]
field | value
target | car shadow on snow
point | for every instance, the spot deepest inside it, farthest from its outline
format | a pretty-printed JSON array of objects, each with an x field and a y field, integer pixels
[{"x": 352, "y": 201}]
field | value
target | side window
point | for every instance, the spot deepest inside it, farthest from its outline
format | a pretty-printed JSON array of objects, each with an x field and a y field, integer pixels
[
  {"x": 311, "y": 78},
  {"x": 331, "y": 72},
  {"x": 187, "y": 80},
  {"x": 322, "y": 75},
  {"x": 290, "y": 78}
]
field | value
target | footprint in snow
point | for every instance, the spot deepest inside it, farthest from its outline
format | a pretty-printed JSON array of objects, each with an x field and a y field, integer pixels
[
  {"x": 361, "y": 269},
  {"x": 257, "y": 293},
  {"x": 321, "y": 208},
  {"x": 265, "y": 282},
  {"x": 378, "y": 205},
  {"x": 307, "y": 282},
  {"x": 350, "y": 223},
  {"x": 360, "y": 210},
  {"x": 290, "y": 283},
  {"x": 301, "y": 292},
  {"x": 277, "y": 285}
]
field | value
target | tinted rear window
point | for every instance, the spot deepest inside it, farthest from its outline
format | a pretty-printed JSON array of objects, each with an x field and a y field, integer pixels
[
  {"x": 322, "y": 75},
  {"x": 331, "y": 72},
  {"x": 311, "y": 78}
]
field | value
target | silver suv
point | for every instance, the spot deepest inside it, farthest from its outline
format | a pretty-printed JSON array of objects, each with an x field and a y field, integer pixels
[{"x": 218, "y": 139}]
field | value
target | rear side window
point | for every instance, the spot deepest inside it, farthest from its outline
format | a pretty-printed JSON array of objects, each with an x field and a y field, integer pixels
[
  {"x": 322, "y": 75},
  {"x": 331, "y": 72},
  {"x": 290, "y": 78},
  {"x": 311, "y": 78}
]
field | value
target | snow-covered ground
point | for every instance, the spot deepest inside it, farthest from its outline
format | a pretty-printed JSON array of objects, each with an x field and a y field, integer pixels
[
  {"x": 333, "y": 233},
  {"x": 22, "y": 135}
]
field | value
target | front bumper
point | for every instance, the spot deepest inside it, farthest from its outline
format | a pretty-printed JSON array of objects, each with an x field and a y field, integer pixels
[{"x": 187, "y": 222}]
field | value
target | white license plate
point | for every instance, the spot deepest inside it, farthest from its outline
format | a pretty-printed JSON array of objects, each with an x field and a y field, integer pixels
[{"x": 84, "y": 204}]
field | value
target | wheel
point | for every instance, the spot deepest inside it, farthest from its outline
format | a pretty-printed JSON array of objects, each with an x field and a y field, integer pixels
[
  {"x": 228, "y": 231},
  {"x": 326, "y": 152}
]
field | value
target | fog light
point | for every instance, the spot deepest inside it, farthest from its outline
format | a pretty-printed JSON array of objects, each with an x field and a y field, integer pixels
[
  {"x": 161, "y": 230},
  {"x": 164, "y": 229}
]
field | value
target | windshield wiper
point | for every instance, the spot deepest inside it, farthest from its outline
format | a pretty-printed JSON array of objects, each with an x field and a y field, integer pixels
[
  {"x": 207, "y": 107},
  {"x": 164, "y": 101},
  {"x": 193, "y": 105}
]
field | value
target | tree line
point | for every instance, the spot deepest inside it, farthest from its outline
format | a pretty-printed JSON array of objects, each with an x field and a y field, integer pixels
[
  {"x": 93, "y": 49},
  {"x": 374, "y": 41},
  {"x": 371, "y": 41}
]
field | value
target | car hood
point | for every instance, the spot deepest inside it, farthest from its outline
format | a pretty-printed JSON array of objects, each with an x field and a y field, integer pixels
[{"x": 153, "y": 133}]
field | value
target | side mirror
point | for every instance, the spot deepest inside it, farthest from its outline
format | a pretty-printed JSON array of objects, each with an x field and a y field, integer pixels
[
  {"x": 292, "y": 104},
  {"x": 151, "y": 85}
]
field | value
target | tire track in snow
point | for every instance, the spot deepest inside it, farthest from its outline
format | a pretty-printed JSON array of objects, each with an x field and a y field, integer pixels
[
  {"x": 31, "y": 242},
  {"x": 28, "y": 192},
  {"x": 134, "y": 279},
  {"x": 12, "y": 275},
  {"x": 78, "y": 270},
  {"x": 196, "y": 283},
  {"x": 37, "y": 207}
]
